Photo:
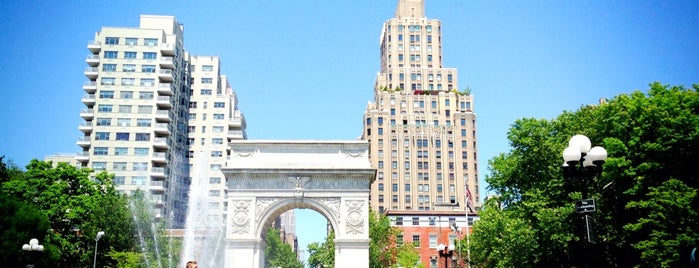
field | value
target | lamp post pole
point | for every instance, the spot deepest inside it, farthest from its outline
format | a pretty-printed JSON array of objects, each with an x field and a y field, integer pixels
[
  {"x": 446, "y": 252},
  {"x": 32, "y": 246},
  {"x": 97, "y": 239},
  {"x": 580, "y": 165}
]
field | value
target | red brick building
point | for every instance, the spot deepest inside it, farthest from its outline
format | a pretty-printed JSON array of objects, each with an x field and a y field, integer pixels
[{"x": 428, "y": 229}]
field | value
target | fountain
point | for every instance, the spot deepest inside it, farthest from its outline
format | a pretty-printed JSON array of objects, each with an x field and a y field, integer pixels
[{"x": 204, "y": 228}]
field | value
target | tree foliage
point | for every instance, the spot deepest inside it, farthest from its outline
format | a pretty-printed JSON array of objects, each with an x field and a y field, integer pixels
[
  {"x": 278, "y": 253},
  {"x": 646, "y": 196},
  {"x": 382, "y": 249},
  {"x": 76, "y": 208},
  {"x": 408, "y": 257},
  {"x": 322, "y": 255}
]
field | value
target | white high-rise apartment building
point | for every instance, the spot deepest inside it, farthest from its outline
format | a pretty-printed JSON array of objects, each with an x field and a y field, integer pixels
[
  {"x": 420, "y": 126},
  {"x": 137, "y": 107},
  {"x": 214, "y": 119}
]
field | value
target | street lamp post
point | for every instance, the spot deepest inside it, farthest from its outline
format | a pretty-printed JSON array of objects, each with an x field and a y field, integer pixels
[
  {"x": 580, "y": 165},
  {"x": 97, "y": 239},
  {"x": 32, "y": 246},
  {"x": 446, "y": 252}
]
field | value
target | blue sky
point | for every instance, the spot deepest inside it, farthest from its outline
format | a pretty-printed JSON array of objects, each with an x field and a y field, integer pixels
[{"x": 305, "y": 69}]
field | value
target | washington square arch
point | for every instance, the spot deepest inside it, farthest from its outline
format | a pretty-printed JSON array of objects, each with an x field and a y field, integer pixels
[{"x": 266, "y": 178}]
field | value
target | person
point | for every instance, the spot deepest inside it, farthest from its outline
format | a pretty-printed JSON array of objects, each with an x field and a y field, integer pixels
[{"x": 192, "y": 264}]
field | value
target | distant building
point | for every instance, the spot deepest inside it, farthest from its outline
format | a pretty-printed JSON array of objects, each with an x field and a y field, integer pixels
[{"x": 421, "y": 128}]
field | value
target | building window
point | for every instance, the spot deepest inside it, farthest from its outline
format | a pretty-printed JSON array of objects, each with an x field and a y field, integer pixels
[
  {"x": 380, "y": 186},
  {"x": 142, "y": 136},
  {"x": 433, "y": 241},
  {"x": 121, "y": 151},
  {"x": 399, "y": 220},
  {"x": 207, "y": 80},
  {"x": 124, "y": 109},
  {"x": 215, "y": 167},
  {"x": 129, "y": 54},
  {"x": 150, "y": 41},
  {"x": 138, "y": 180},
  {"x": 143, "y": 122},
  {"x": 101, "y": 151},
  {"x": 119, "y": 180},
  {"x": 206, "y": 92},
  {"x": 108, "y": 81},
  {"x": 99, "y": 166},
  {"x": 102, "y": 136},
  {"x": 121, "y": 166},
  {"x": 122, "y": 136},
  {"x": 128, "y": 81},
  {"x": 104, "y": 108},
  {"x": 416, "y": 221},
  {"x": 149, "y": 55},
  {"x": 111, "y": 54},
  {"x": 215, "y": 180},
  {"x": 106, "y": 94},
  {"x": 131, "y": 41},
  {"x": 141, "y": 151},
  {"x": 207, "y": 68},
  {"x": 219, "y": 105},
  {"x": 217, "y": 140},
  {"x": 399, "y": 239},
  {"x": 111, "y": 40},
  {"x": 124, "y": 122},
  {"x": 216, "y": 153},
  {"x": 109, "y": 67},
  {"x": 416, "y": 240},
  {"x": 126, "y": 95},
  {"x": 148, "y": 68},
  {"x": 128, "y": 68},
  {"x": 147, "y": 82},
  {"x": 145, "y": 109}
]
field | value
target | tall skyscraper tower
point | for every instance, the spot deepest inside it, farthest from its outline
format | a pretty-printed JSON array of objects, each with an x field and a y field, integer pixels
[
  {"x": 420, "y": 126},
  {"x": 142, "y": 93},
  {"x": 214, "y": 119}
]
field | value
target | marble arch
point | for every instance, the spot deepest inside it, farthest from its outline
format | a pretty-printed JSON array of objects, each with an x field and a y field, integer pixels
[{"x": 267, "y": 178}]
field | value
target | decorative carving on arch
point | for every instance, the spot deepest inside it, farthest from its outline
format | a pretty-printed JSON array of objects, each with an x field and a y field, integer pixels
[
  {"x": 262, "y": 204},
  {"x": 333, "y": 205},
  {"x": 241, "y": 219},
  {"x": 355, "y": 220}
]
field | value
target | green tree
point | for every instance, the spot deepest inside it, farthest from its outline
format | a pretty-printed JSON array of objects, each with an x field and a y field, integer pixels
[
  {"x": 382, "y": 245},
  {"x": 322, "y": 255},
  {"x": 76, "y": 208},
  {"x": 278, "y": 253},
  {"x": 666, "y": 228},
  {"x": 408, "y": 257},
  {"x": 651, "y": 138}
]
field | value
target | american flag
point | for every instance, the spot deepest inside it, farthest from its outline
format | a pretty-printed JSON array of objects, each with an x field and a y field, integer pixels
[{"x": 469, "y": 198}]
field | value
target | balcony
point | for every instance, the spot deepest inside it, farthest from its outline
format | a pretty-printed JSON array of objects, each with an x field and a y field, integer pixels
[
  {"x": 93, "y": 60},
  {"x": 163, "y": 101},
  {"x": 165, "y": 89},
  {"x": 162, "y": 116},
  {"x": 235, "y": 135},
  {"x": 162, "y": 128},
  {"x": 89, "y": 99},
  {"x": 157, "y": 173},
  {"x": 90, "y": 87},
  {"x": 166, "y": 62},
  {"x": 91, "y": 73},
  {"x": 157, "y": 186},
  {"x": 94, "y": 46},
  {"x": 159, "y": 157},
  {"x": 87, "y": 114},
  {"x": 165, "y": 75},
  {"x": 160, "y": 143},
  {"x": 84, "y": 142},
  {"x": 83, "y": 156},
  {"x": 167, "y": 49},
  {"x": 85, "y": 127},
  {"x": 235, "y": 122}
]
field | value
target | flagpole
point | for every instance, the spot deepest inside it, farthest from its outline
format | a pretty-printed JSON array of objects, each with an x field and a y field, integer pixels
[{"x": 469, "y": 198}]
